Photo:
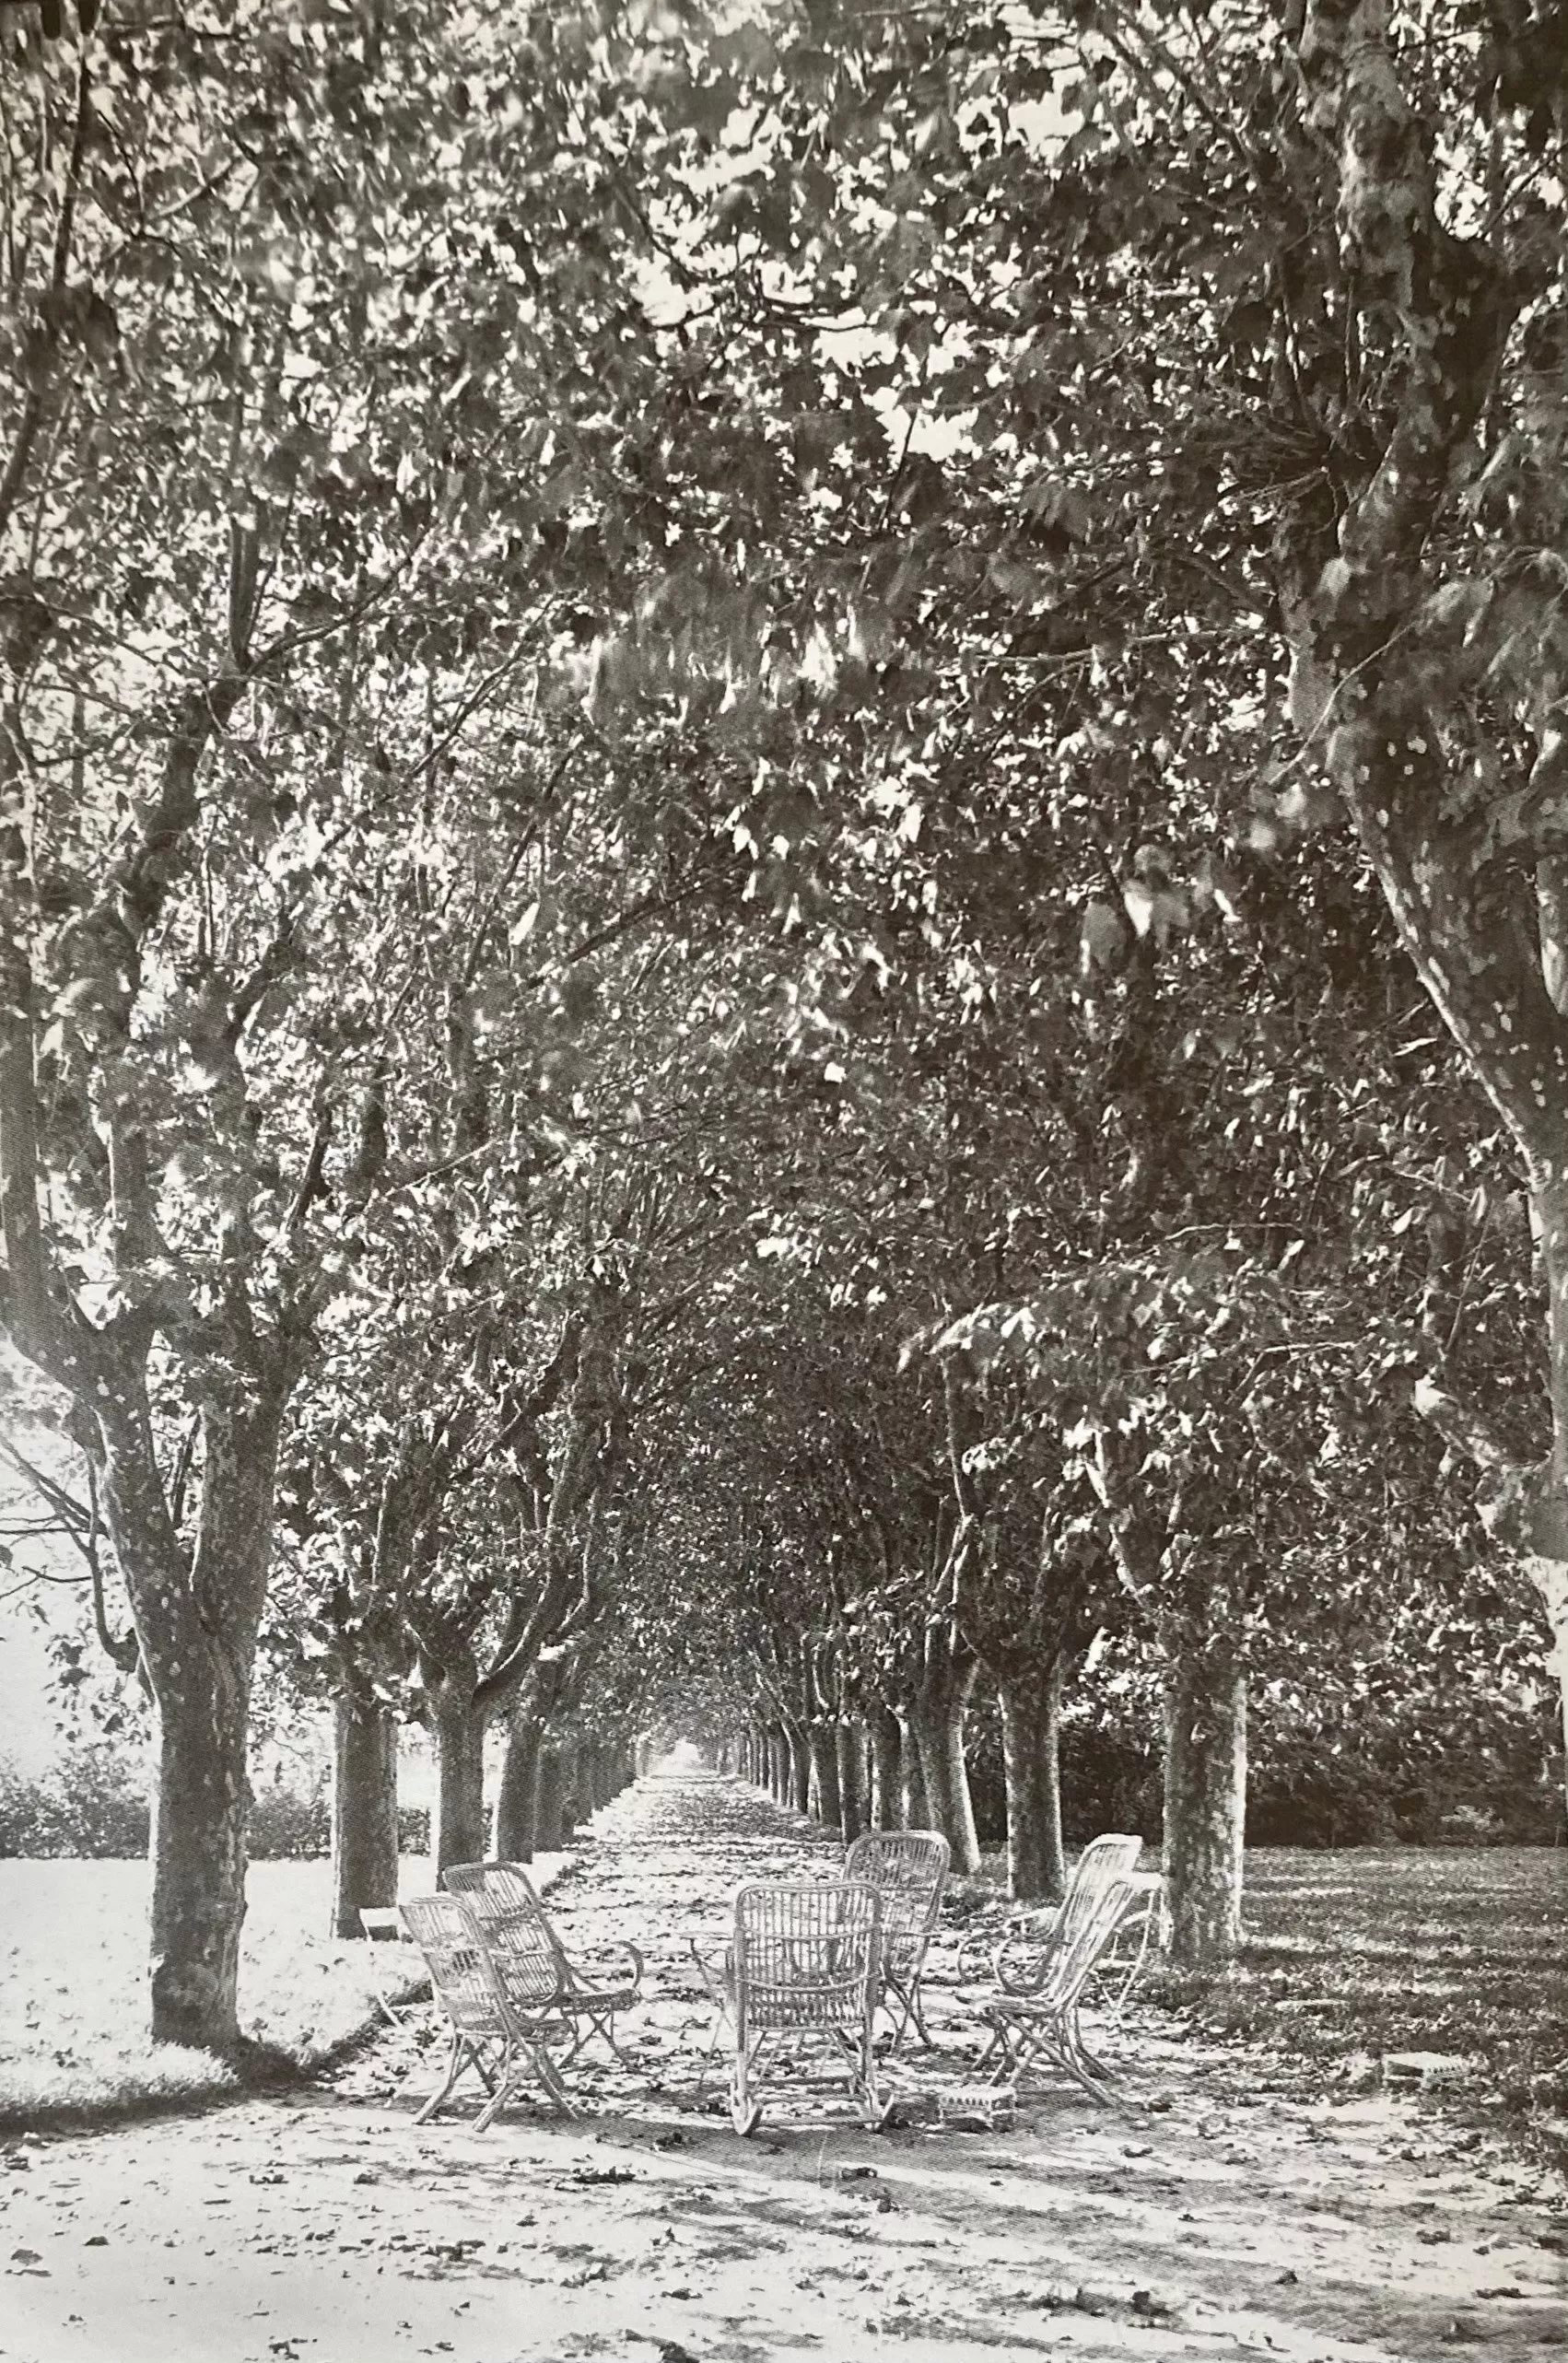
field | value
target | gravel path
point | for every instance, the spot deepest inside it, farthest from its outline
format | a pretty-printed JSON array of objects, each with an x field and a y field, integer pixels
[{"x": 1227, "y": 2213}]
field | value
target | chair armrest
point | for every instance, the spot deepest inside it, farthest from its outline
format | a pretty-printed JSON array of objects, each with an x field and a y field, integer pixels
[
  {"x": 714, "y": 1969},
  {"x": 630, "y": 1951},
  {"x": 974, "y": 1955}
]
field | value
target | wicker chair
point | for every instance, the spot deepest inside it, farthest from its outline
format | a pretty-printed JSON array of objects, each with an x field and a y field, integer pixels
[
  {"x": 554, "y": 1994},
  {"x": 1044, "y": 2022},
  {"x": 487, "y": 2033},
  {"x": 1023, "y": 1960},
  {"x": 803, "y": 1965},
  {"x": 1118, "y": 1972},
  {"x": 908, "y": 1870}
]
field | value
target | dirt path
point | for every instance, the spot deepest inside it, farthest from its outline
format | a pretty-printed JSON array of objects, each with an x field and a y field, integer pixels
[{"x": 1225, "y": 2214}]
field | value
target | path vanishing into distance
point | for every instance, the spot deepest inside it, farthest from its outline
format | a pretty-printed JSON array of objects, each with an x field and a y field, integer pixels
[{"x": 1230, "y": 2211}]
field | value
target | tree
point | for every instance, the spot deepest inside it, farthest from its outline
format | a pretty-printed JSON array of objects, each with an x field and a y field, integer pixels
[{"x": 260, "y": 502}]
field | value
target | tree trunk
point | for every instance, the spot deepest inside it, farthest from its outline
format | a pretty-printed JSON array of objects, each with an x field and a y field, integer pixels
[
  {"x": 1205, "y": 1803},
  {"x": 913, "y": 1813},
  {"x": 799, "y": 1790},
  {"x": 850, "y": 1742},
  {"x": 938, "y": 1717},
  {"x": 822, "y": 1741},
  {"x": 778, "y": 1764},
  {"x": 363, "y": 1810},
  {"x": 517, "y": 1806},
  {"x": 198, "y": 1855},
  {"x": 457, "y": 1730},
  {"x": 558, "y": 1770},
  {"x": 1031, "y": 1734},
  {"x": 197, "y": 1616},
  {"x": 883, "y": 1725}
]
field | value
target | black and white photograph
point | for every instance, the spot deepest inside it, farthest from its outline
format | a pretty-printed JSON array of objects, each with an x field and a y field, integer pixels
[{"x": 783, "y": 1181}]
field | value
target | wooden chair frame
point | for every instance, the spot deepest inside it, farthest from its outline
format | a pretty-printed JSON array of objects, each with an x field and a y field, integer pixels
[
  {"x": 908, "y": 1870},
  {"x": 380, "y": 1924}
]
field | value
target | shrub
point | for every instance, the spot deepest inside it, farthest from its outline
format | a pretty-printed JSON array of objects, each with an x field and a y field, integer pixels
[
  {"x": 92, "y": 1804},
  {"x": 289, "y": 1825}
]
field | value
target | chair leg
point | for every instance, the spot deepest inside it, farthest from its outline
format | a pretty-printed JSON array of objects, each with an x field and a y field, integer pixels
[
  {"x": 1130, "y": 1980},
  {"x": 456, "y": 2050},
  {"x": 1010, "y": 2048},
  {"x": 499, "y": 2091},
  {"x": 1059, "y": 2047},
  {"x": 873, "y": 2106},
  {"x": 745, "y": 2113},
  {"x": 605, "y": 2029},
  {"x": 713, "y": 2034},
  {"x": 916, "y": 2017}
]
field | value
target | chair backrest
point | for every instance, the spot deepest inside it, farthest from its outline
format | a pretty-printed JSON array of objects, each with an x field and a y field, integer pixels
[
  {"x": 908, "y": 1870},
  {"x": 460, "y": 1966},
  {"x": 528, "y": 1955},
  {"x": 1102, "y": 1859},
  {"x": 1085, "y": 1945},
  {"x": 806, "y": 1954}
]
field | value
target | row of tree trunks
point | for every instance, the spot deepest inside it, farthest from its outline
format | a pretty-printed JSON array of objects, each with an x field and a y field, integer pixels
[
  {"x": 887, "y": 1771},
  {"x": 549, "y": 1781},
  {"x": 917, "y": 1777}
]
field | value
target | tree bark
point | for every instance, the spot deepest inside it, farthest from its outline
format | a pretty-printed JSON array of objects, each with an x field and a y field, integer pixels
[
  {"x": 883, "y": 1727},
  {"x": 823, "y": 1740},
  {"x": 517, "y": 1805},
  {"x": 799, "y": 1792},
  {"x": 197, "y": 1616},
  {"x": 913, "y": 1811},
  {"x": 198, "y": 1854},
  {"x": 850, "y": 1744},
  {"x": 557, "y": 1769},
  {"x": 457, "y": 1730},
  {"x": 363, "y": 1810},
  {"x": 1031, "y": 1736},
  {"x": 938, "y": 1714},
  {"x": 1205, "y": 1802}
]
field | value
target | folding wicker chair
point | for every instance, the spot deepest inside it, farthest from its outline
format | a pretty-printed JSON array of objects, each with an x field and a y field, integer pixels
[
  {"x": 1043, "y": 2022},
  {"x": 908, "y": 1870},
  {"x": 555, "y": 1993},
  {"x": 487, "y": 2033},
  {"x": 805, "y": 1963},
  {"x": 1023, "y": 1960}
]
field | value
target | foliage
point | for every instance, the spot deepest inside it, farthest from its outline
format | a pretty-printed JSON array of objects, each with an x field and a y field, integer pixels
[{"x": 90, "y": 1804}]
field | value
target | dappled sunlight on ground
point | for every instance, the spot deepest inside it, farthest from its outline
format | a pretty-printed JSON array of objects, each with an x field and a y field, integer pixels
[{"x": 1227, "y": 2211}]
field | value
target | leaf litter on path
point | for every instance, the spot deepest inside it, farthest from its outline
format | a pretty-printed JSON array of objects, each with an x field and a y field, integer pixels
[{"x": 1220, "y": 2218}]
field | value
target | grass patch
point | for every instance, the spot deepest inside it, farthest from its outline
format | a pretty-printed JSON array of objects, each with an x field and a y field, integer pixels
[
  {"x": 74, "y": 2004},
  {"x": 1350, "y": 1956}
]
